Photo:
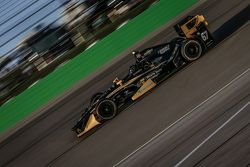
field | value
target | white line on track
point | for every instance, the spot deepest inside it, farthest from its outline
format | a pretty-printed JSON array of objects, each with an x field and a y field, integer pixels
[
  {"x": 33, "y": 84},
  {"x": 9, "y": 100},
  {"x": 181, "y": 118},
  {"x": 210, "y": 136},
  {"x": 63, "y": 63},
  {"x": 91, "y": 45},
  {"x": 120, "y": 26}
]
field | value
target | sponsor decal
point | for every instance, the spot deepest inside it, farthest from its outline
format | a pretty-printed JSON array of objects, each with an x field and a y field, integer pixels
[{"x": 164, "y": 49}]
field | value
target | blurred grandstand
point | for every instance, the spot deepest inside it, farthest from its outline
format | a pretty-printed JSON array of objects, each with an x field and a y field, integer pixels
[{"x": 47, "y": 46}]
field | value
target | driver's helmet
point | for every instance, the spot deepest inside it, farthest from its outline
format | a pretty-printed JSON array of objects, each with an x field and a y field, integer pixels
[{"x": 137, "y": 55}]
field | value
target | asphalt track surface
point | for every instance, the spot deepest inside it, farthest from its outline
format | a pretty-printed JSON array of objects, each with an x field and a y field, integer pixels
[{"x": 200, "y": 116}]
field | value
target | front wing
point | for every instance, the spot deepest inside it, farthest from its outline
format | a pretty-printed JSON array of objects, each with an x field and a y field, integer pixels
[{"x": 91, "y": 123}]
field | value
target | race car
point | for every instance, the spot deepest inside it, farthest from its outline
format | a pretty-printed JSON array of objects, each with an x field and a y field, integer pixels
[{"x": 155, "y": 65}]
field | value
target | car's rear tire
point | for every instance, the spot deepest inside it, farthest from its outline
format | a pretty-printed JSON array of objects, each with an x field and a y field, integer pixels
[
  {"x": 106, "y": 109},
  {"x": 191, "y": 50}
]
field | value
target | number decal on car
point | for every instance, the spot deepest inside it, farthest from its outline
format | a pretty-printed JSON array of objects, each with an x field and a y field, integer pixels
[{"x": 204, "y": 35}]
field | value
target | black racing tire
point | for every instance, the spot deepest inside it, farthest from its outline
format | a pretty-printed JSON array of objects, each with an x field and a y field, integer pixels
[
  {"x": 106, "y": 109},
  {"x": 95, "y": 97},
  {"x": 191, "y": 50}
]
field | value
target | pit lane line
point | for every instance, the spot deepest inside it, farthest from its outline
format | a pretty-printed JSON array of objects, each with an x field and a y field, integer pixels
[{"x": 187, "y": 114}]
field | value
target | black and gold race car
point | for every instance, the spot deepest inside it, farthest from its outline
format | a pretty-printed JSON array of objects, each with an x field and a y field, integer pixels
[{"x": 153, "y": 65}]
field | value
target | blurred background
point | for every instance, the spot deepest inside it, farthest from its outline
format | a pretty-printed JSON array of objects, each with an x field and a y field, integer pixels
[{"x": 36, "y": 36}]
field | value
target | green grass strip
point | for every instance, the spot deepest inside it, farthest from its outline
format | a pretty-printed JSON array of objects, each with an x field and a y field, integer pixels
[{"x": 90, "y": 60}]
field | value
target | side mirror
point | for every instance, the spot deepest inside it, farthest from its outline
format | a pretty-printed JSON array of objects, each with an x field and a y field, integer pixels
[{"x": 117, "y": 81}]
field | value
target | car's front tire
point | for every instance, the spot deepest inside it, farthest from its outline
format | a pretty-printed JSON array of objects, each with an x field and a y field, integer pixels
[
  {"x": 106, "y": 109},
  {"x": 191, "y": 50},
  {"x": 95, "y": 97}
]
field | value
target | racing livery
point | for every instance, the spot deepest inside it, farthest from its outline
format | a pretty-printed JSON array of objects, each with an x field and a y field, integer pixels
[{"x": 155, "y": 65}]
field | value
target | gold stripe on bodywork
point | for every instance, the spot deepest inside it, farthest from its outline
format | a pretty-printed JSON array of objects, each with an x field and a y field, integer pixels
[
  {"x": 132, "y": 80},
  {"x": 92, "y": 122},
  {"x": 123, "y": 86},
  {"x": 148, "y": 85}
]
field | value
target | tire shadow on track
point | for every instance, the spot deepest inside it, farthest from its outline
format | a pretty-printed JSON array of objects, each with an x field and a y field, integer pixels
[{"x": 232, "y": 25}]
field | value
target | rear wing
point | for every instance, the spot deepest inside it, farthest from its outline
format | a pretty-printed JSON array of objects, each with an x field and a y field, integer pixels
[
  {"x": 189, "y": 25},
  {"x": 195, "y": 27}
]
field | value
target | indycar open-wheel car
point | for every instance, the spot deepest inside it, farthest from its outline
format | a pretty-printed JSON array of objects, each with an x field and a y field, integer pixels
[{"x": 157, "y": 64}]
